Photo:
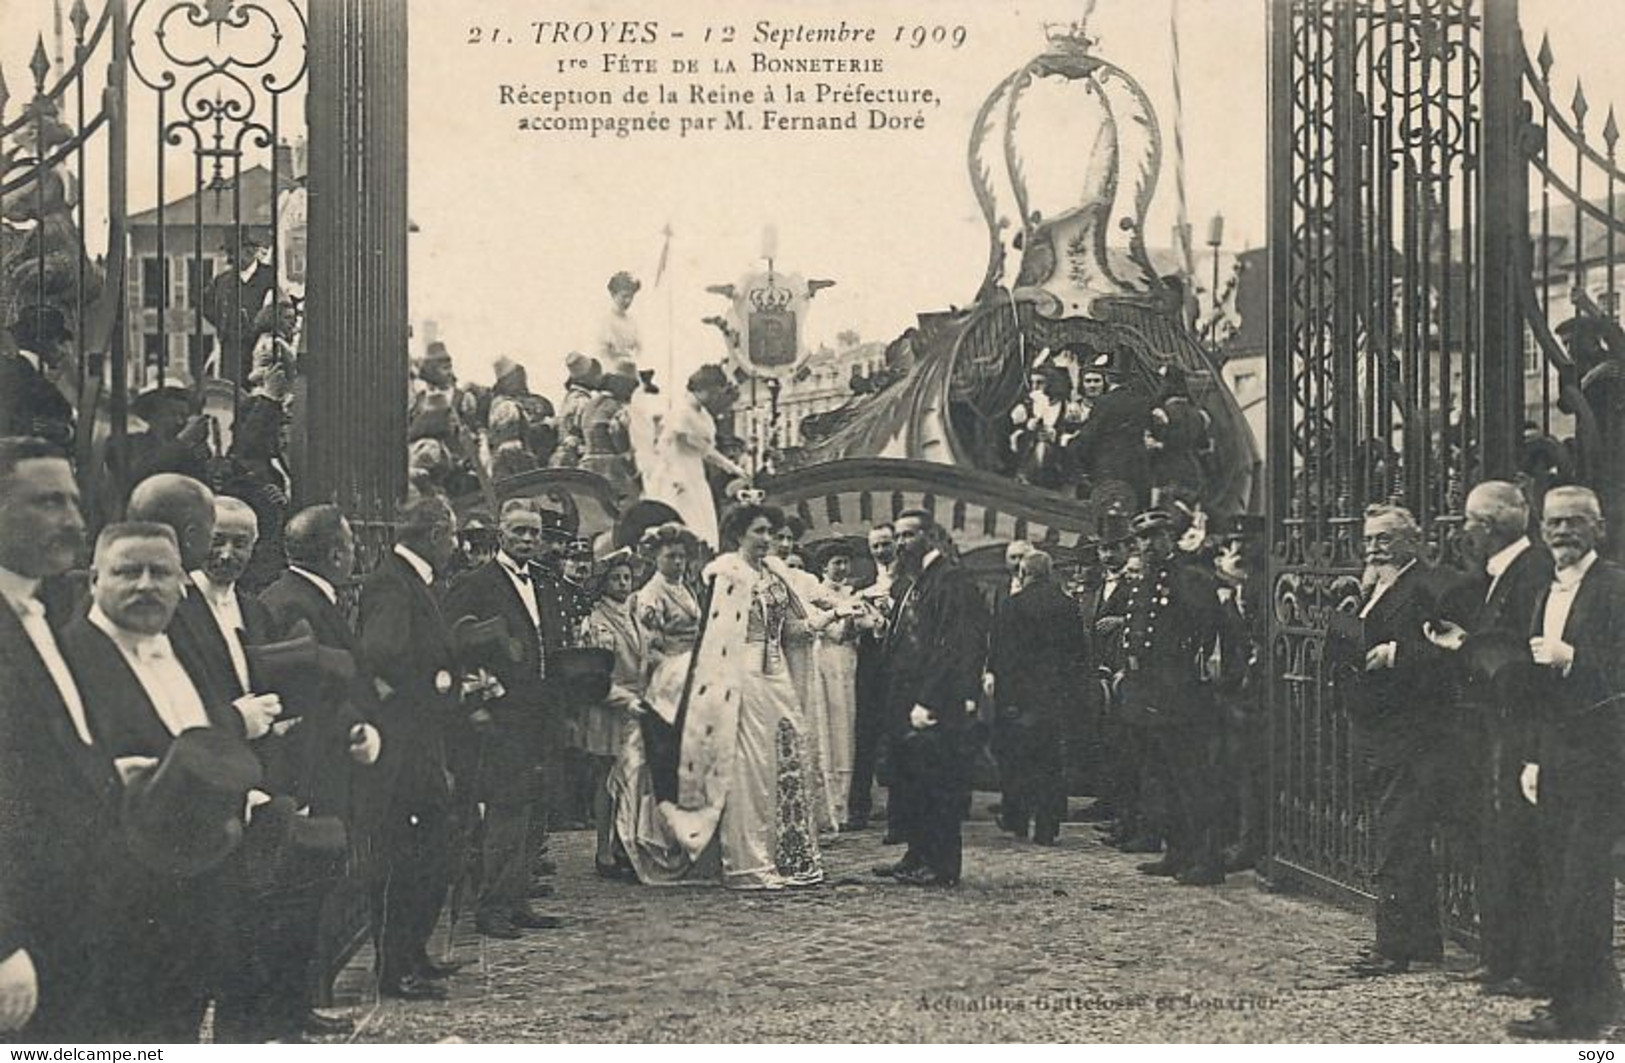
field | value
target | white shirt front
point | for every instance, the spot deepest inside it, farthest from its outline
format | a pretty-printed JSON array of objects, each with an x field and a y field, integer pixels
[
  {"x": 524, "y": 584},
  {"x": 1560, "y": 599},
  {"x": 173, "y": 695},
  {"x": 328, "y": 590},
  {"x": 424, "y": 570},
  {"x": 19, "y": 592},
  {"x": 228, "y": 617}
]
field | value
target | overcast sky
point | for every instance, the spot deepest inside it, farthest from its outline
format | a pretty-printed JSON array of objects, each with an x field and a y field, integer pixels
[{"x": 520, "y": 230}]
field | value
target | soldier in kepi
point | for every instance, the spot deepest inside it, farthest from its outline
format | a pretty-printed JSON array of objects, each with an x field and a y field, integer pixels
[{"x": 1168, "y": 632}]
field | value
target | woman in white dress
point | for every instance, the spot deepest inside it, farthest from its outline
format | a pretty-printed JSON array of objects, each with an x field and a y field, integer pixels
[
  {"x": 740, "y": 811},
  {"x": 837, "y": 654},
  {"x": 688, "y": 442}
]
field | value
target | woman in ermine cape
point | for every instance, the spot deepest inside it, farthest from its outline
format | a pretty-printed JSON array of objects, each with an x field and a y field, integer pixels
[{"x": 739, "y": 810}]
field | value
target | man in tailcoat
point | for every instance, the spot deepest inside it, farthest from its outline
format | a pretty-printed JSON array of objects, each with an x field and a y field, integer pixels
[
  {"x": 58, "y": 786},
  {"x": 1502, "y": 726},
  {"x": 1404, "y": 730},
  {"x": 1170, "y": 625},
  {"x": 936, "y": 664},
  {"x": 1034, "y": 652},
  {"x": 1111, "y": 443},
  {"x": 171, "y": 932},
  {"x": 407, "y": 650},
  {"x": 1577, "y": 641},
  {"x": 509, "y": 727}
]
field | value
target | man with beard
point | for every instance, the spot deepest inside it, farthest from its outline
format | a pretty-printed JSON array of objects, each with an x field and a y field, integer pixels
[
  {"x": 1171, "y": 622},
  {"x": 1577, "y": 640},
  {"x": 1402, "y": 688},
  {"x": 58, "y": 787},
  {"x": 870, "y": 726},
  {"x": 938, "y": 642},
  {"x": 1033, "y": 654},
  {"x": 1497, "y": 604},
  {"x": 508, "y": 727}
]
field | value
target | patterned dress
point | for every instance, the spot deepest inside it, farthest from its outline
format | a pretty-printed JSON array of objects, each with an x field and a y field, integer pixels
[{"x": 744, "y": 815}]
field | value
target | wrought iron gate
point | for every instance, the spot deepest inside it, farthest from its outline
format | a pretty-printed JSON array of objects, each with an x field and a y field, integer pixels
[
  {"x": 1410, "y": 342},
  {"x": 201, "y": 109}
]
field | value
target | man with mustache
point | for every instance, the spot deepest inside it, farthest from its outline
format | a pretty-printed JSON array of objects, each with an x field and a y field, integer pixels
[
  {"x": 1398, "y": 709},
  {"x": 187, "y": 507},
  {"x": 1577, "y": 641},
  {"x": 58, "y": 786},
  {"x": 1513, "y": 574}
]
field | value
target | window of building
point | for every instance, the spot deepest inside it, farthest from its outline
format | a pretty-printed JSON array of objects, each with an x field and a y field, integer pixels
[
  {"x": 152, "y": 283},
  {"x": 1533, "y": 358},
  {"x": 152, "y": 346},
  {"x": 199, "y": 272}
]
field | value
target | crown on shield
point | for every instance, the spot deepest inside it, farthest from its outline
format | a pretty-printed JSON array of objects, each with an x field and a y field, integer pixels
[{"x": 771, "y": 296}]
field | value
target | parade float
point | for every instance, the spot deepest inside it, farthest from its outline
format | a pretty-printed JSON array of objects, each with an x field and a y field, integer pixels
[{"x": 1064, "y": 158}]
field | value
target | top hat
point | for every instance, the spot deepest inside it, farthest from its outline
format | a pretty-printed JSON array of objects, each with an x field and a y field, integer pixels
[
  {"x": 186, "y": 815},
  {"x": 175, "y": 385},
  {"x": 1113, "y": 527},
  {"x": 279, "y": 843},
  {"x": 1152, "y": 520},
  {"x": 245, "y": 236},
  {"x": 299, "y": 666}
]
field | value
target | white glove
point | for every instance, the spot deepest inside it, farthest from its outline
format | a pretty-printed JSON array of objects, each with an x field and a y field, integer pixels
[
  {"x": 919, "y": 718},
  {"x": 255, "y": 799},
  {"x": 259, "y": 712},
  {"x": 19, "y": 990},
  {"x": 131, "y": 768},
  {"x": 1447, "y": 635},
  {"x": 1552, "y": 653},
  {"x": 365, "y": 744},
  {"x": 1381, "y": 656},
  {"x": 1529, "y": 782},
  {"x": 988, "y": 683}
]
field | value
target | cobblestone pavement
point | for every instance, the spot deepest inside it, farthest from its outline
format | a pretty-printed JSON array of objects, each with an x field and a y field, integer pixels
[{"x": 1063, "y": 944}]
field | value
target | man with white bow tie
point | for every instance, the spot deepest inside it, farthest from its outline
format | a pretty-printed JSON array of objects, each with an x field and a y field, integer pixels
[{"x": 171, "y": 932}]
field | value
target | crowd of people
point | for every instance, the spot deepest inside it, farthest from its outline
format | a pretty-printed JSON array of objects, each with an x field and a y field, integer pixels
[
  {"x": 198, "y": 754},
  {"x": 1081, "y": 424}
]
